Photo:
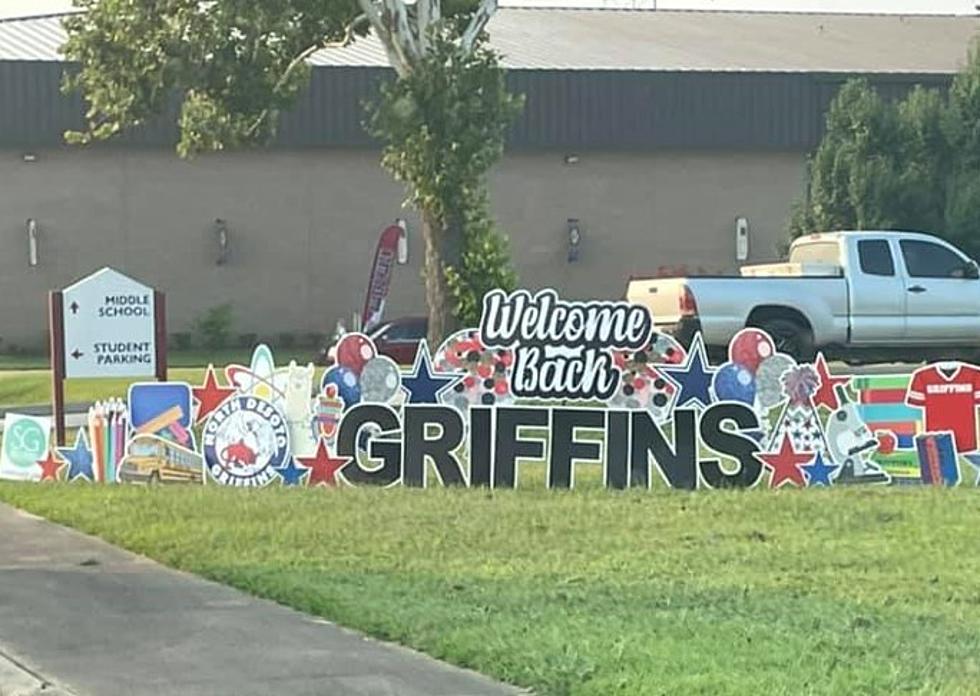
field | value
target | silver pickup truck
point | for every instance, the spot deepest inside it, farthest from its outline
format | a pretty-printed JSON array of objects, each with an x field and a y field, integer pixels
[{"x": 861, "y": 296}]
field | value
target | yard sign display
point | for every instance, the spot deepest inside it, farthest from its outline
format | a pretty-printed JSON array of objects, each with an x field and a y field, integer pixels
[{"x": 562, "y": 386}]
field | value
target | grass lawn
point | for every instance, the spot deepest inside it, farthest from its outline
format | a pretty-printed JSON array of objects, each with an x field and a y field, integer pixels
[
  {"x": 176, "y": 358},
  {"x": 28, "y": 387},
  {"x": 847, "y": 591},
  {"x": 32, "y": 387}
]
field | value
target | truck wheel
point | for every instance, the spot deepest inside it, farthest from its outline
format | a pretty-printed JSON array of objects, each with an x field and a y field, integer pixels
[{"x": 790, "y": 338}]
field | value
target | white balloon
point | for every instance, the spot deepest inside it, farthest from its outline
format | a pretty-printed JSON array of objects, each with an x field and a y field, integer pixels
[
  {"x": 768, "y": 379},
  {"x": 379, "y": 380}
]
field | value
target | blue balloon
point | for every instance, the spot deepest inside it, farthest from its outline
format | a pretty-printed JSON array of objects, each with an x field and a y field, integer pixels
[
  {"x": 734, "y": 382},
  {"x": 346, "y": 381}
]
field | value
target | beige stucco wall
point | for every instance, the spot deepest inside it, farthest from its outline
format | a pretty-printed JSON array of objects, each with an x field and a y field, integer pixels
[{"x": 303, "y": 226}]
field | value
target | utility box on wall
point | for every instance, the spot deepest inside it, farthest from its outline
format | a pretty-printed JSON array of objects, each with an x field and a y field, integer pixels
[{"x": 741, "y": 239}]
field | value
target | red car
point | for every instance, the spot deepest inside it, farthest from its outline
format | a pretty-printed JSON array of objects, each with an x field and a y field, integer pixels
[{"x": 398, "y": 339}]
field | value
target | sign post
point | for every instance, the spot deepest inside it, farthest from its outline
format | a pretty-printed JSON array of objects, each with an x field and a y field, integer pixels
[
  {"x": 105, "y": 325},
  {"x": 57, "y": 334}
]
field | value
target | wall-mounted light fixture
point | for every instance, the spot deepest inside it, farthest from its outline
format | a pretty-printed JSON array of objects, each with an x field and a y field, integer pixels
[
  {"x": 30, "y": 157},
  {"x": 221, "y": 236},
  {"x": 574, "y": 239},
  {"x": 402, "y": 242},
  {"x": 31, "y": 242},
  {"x": 571, "y": 158},
  {"x": 741, "y": 239}
]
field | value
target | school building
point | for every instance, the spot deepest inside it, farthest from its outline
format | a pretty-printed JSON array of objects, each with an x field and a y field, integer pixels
[{"x": 655, "y": 130}]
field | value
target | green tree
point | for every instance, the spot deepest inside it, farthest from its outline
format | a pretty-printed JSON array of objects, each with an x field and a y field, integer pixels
[
  {"x": 852, "y": 172},
  {"x": 962, "y": 131},
  {"x": 236, "y": 64},
  {"x": 911, "y": 164},
  {"x": 879, "y": 165},
  {"x": 443, "y": 126},
  {"x": 923, "y": 161}
]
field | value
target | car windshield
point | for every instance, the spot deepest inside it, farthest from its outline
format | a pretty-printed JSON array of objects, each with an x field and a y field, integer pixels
[{"x": 402, "y": 330}]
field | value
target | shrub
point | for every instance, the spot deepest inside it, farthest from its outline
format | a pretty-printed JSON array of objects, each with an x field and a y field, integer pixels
[{"x": 214, "y": 326}]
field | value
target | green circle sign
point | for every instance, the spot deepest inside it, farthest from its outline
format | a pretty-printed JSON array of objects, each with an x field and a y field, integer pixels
[{"x": 24, "y": 443}]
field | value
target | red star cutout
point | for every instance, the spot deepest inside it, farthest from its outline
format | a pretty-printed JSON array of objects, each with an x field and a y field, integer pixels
[
  {"x": 51, "y": 466},
  {"x": 826, "y": 396},
  {"x": 323, "y": 466},
  {"x": 785, "y": 464},
  {"x": 211, "y": 395}
]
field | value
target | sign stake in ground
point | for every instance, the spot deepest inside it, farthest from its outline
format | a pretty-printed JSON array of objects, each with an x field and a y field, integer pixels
[{"x": 114, "y": 326}]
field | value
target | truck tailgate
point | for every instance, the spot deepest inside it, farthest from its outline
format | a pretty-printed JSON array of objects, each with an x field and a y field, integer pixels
[{"x": 659, "y": 295}]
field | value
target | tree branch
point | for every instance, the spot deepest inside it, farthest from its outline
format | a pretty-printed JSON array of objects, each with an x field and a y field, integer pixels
[
  {"x": 347, "y": 40},
  {"x": 424, "y": 10},
  {"x": 404, "y": 40},
  {"x": 429, "y": 13},
  {"x": 397, "y": 60},
  {"x": 479, "y": 21}
]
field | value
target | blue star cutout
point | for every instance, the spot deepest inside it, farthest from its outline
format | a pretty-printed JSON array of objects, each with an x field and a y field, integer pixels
[
  {"x": 424, "y": 386},
  {"x": 819, "y": 471},
  {"x": 292, "y": 474},
  {"x": 79, "y": 458},
  {"x": 693, "y": 379}
]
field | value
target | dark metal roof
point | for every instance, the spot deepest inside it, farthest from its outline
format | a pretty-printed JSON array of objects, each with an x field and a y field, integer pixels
[
  {"x": 565, "y": 109},
  {"x": 593, "y": 79}
]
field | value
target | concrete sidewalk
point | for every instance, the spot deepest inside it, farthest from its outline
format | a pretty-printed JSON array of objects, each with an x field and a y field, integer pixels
[{"x": 79, "y": 616}]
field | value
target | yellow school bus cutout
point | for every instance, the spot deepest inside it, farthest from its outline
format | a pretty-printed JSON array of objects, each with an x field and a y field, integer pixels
[{"x": 152, "y": 459}]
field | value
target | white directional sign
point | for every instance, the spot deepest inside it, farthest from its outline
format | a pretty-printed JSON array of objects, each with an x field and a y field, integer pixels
[{"x": 109, "y": 327}]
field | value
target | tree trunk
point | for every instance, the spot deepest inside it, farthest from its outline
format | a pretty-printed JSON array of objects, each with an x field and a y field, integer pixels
[{"x": 442, "y": 245}]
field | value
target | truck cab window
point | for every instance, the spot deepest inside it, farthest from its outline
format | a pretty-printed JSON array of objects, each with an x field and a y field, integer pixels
[
  {"x": 928, "y": 260},
  {"x": 875, "y": 257}
]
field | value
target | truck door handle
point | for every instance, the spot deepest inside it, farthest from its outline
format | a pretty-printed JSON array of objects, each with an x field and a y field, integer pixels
[{"x": 917, "y": 289}]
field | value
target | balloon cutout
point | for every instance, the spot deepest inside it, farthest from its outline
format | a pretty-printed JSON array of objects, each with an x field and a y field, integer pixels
[
  {"x": 487, "y": 380},
  {"x": 346, "y": 382},
  {"x": 379, "y": 380},
  {"x": 734, "y": 383},
  {"x": 749, "y": 348},
  {"x": 354, "y": 351},
  {"x": 768, "y": 379},
  {"x": 642, "y": 384}
]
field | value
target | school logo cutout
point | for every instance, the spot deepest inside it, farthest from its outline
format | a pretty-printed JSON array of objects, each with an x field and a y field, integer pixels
[
  {"x": 245, "y": 440},
  {"x": 25, "y": 441}
]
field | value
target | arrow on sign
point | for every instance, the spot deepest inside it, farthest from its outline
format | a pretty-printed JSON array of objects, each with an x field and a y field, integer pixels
[
  {"x": 73, "y": 307},
  {"x": 77, "y": 354}
]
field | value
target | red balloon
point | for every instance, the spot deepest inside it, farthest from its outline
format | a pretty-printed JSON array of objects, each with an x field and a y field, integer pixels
[
  {"x": 354, "y": 350},
  {"x": 749, "y": 348}
]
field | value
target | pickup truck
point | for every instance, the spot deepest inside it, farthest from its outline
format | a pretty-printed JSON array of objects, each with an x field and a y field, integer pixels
[{"x": 861, "y": 296}]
